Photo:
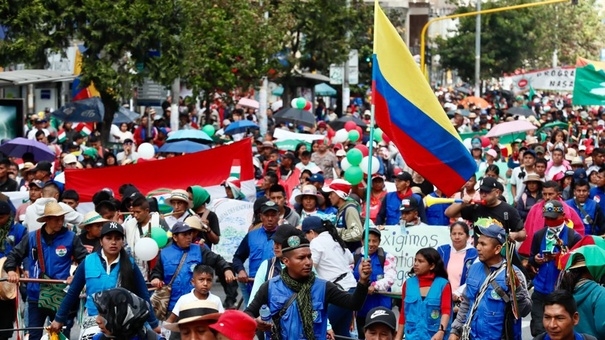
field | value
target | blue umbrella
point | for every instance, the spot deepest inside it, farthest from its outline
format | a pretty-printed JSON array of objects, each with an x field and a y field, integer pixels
[
  {"x": 192, "y": 135},
  {"x": 82, "y": 111},
  {"x": 18, "y": 146},
  {"x": 123, "y": 115},
  {"x": 183, "y": 146},
  {"x": 324, "y": 89},
  {"x": 240, "y": 126}
]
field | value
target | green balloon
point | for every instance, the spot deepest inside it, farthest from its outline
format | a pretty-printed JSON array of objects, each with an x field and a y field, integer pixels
[
  {"x": 353, "y": 136},
  {"x": 354, "y": 175},
  {"x": 354, "y": 156},
  {"x": 209, "y": 130},
  {"x": 300, "y": 103},
  {"x": 378, "y": 135},
  {"x": 159, "y": 236}
]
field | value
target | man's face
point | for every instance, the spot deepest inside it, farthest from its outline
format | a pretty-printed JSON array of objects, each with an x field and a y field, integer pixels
[
  {"x": 598, "y": 158},
  {"x": 528, "y": 160},
  {"x": 178, "y": 206},
  {"x": 490, "y": 197},
  {"x": 94, "y": 230},
  {"x": 183, "y": 240},
  {"x": 70, "y": 166},
  {"x": 409, "y": 216},
  {"x": 286, "y": 162},
  {"x": 140, "y": 214},
  {"x": 127, "y": 146},
  {"x": 197, "y": 330},
  {"x": 334, "y": 198},
  {"x": 581, "y": 193},
  {"x": 3, "y": 171},
  {"x": 601, "y": 179},
  {"x": 379, "y": 331},
  {"x": 269, "y": 219},
  {"x": 40, "y": 175},
  {"x": 558, "y": 323},
  {"x": 13, "y": 170},
  {"x": 54, "y": 223},
  {"x": 401, "y": 185},
  {"x": 278, "y": 198},
  {"x": 309, "y": 202},
  {"x": 298, "y": 262},
  {"x": 71, "y": 202},
  {"x": 488, "y": 248},
  {"x": 549, "y": 194},
  {"x": 540, "y": 169},
  {"x": 557, "y": 157},
  {"x": 373, "y": 243},
  {"x": 34, "y": 193}
]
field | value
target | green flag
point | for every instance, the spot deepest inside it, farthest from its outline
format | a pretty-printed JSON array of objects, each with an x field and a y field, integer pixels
[
  {"x": 531, "y": 95},
  {"x": 589, "y": 84}
]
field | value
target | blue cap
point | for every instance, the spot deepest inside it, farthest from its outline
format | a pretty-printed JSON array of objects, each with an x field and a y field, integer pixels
[
  {"x": 180, "y": 227},
  {"x": 317, "y": 178},
  {"x": 493, "y": 231},
  {"x": 311, "y": 223},
  {"x": 580, "y": 174}
]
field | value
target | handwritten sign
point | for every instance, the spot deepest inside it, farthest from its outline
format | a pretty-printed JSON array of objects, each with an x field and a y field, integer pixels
[
  {"x": 405, "y": 243},
  {"x": 234, "y": 219}
]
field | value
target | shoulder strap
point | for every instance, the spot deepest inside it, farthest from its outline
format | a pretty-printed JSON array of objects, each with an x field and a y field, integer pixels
[
  {"x": 587, "y": 217},
  {"x": 272, "y": 269},
  {"x": 496, "y": 286},
  {"x": 283, "y": 310},
  {"x": 176, "y": 272},
  {"x": 39, "y": 247}
]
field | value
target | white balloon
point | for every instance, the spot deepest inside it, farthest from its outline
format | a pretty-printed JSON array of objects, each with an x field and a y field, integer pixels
[
  {"x": 293, "y": 102},
  {"x": 364, "y": 165},
  {"x": 340, "y": 136},
  {"x": 146, "y": 249},
  {"x": 146, "y": 151},
  {"x": 344, "y": 164}
]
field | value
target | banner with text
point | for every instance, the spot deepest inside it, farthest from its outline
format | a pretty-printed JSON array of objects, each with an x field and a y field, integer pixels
[
  {"x": 554, "y": 79},
  {"x": 234, "y": 218},
  {"x": 404, "y": 243}
]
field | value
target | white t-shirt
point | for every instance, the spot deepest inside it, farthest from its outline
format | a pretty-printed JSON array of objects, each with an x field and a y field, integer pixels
[
  {"x": 555, "y": 170},
  {"x": 191, "y": 297},
  {"x": 331, "y": 262},
  {"x": 518, "y": 182}
]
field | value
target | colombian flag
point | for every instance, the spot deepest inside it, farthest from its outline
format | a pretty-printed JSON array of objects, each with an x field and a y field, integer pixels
[{"x": 408, "y": 112}]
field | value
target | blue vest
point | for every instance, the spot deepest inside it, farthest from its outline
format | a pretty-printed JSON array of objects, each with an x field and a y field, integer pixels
[
  {"x": 598, "y": 195},
  {"x": 435, "y": 214},
  {"x": 291, "y": 322},
  {"x": 373, "y": 300},
  {"x": 488, "y": 320},
  {"x": 57, "y": 259},
  {"x": 591, "y": 209},
  {"x": 393, "y": 202},
  {"x": 261, "y": 248},
  {"x": 16, "y": 233},
  {"x": 548, "y": 273},
  {"x": 97, "y": 279},
  {"x": 423, "y": 316},
  {"x": 171, "y": 257},
  {"x": 469, "y": 258}
]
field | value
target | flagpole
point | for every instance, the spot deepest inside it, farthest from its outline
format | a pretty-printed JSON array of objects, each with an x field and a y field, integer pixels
[{"x": 369, "y": 185}]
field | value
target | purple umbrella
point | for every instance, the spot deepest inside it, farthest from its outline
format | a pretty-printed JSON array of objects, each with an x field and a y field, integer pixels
[
  {"x": 509, "y": 128},
  {"x": 18, "y": 146}
]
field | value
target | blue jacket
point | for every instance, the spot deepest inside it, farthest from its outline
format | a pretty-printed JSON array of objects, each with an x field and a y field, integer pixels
[
  {"x": 469, "y": 258},
  {"x": 171, "y": 257},
  {"x": 488, "y": 320},
  {"x": 598, "y": 194},
  {"x": 16, "y": 233},
  {"x": 256, "y": 246},
  {"x": 291, "y": 323},
  {"x": 423, "y": 316},
  {"x": 435, "y": 214},
  {"x": 591, "y": 209},
  {"x": 390, "y": 214},
  {"x": 373, "y": 300},
  {"x": 57, "y": 259}
]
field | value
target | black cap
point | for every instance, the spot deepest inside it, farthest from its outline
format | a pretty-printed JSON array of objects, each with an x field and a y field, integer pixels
[
  {"x": 42, "y": 165},
  {"x": 294, "y": 242},
  {"x": 289, "y": 155},
  {"x": 284, "y": 231},
  {"x": 375, "y": 231},
  {"x": 268, "y": 206},
  {"x": 110, "y": 227},
  {"x": 552, "y": 209},
  {"x": 409, "y": 204},
  {"x": 404, "y": 176},
  {"x": 5, "y": 208},
  {"x": 489, "y": 183},
  {"x": 381, "y": 315},
  {"x": 259, "y": 204}
]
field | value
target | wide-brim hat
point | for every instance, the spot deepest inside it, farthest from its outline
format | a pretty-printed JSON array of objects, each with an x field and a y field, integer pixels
[
  {"x": 195, "y": 311},
  {"x": 309, "y": 190},
  {"x": 179, "y": 195},
  {"x": 92, "y": 217},
  {"x": 8, "y": 291},
  {"x": 51, "y": 209},
  {"x": 194, "y": 222}
]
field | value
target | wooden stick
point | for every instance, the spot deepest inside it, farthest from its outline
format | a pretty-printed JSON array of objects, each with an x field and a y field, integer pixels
[{"x": 30, "y": 280}]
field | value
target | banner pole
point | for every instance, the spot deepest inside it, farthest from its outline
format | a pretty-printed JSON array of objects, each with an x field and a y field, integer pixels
[{"x": 369, "y": 186}]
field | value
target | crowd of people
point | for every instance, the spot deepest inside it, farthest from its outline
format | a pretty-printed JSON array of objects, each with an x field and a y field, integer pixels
[{"x": 302, "y": 268}]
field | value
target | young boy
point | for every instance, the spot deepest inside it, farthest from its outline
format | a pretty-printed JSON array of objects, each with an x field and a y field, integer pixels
[{"x": 203, "y": 277}]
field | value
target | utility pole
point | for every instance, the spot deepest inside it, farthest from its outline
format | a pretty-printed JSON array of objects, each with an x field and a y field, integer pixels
[
  {"x": 478, "y": 52},
  {"x": 346, "y": 93}
]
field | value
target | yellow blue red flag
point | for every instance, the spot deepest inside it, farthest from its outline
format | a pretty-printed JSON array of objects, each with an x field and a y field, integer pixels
[{"x": 407, "y": 110}]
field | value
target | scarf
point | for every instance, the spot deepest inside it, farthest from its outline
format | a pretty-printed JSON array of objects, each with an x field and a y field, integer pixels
[
  {"x": 4, "y": 230},
  {"x": 303, "y": 299},
  {"x": 551, "y": 240}
]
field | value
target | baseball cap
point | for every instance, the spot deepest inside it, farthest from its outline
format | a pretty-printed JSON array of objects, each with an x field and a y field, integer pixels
[
  {"x": 37, "y": 183},
  {"x": 539, "y": 149},
  {"x": 235, "y": 325},
  {"x": 269, "y": 206},
  {"x": 530, "y": 152},
  {"x": 267, "y": 144},
  {"x": 110, "y": 227},
  {"x": 493, "y": 231},
  {"x": 404, "y": 176},
  {"x": 381, "y": 315},
  {"x": 341, "y": 187},
  {"x": 341, "y": 153},
  {"x": 180, "y": 227},
  {"x": 311, "y": 223},
  {"x": 317, "y": 178},
  {"x": 552, "y": 209},
  {"x": 409, "y": 204},
  {"x": 488, "y": 184},
  {"x": 43, "y": 166},
  {"x": 375, "y": 231},
  {"x": 289, "y": 155},
  {"x": 5, "y": 208},
  {"x": 69, "y": 159}
]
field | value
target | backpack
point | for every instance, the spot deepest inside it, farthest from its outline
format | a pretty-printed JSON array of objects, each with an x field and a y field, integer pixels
[{"x": 379, "y": 252}]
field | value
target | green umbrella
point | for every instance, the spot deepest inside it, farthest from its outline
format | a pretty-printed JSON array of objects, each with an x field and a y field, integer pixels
[
  {"x": 290, "y": 144},
  {"x": 553, "y": 125},
  {"x": 595, "y": 260}
]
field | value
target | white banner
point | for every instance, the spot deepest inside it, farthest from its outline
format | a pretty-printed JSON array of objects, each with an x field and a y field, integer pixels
[
  {"x": 234, "y": 219},
  {"x": 405, "y": 243},
  {"x": 555, "y": 79},
  {"x": 281, "y": 134}
]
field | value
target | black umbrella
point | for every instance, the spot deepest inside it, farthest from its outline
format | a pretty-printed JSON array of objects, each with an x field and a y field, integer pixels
[
  {"x": 295, "y": 116},
  {"x": 82, "y": 111},
  {"x": 464, "y": 90},
  {"x": 520, "y": 111},
  {"x": 340, "y": 123},
  {"x": 123, "y": 115}
]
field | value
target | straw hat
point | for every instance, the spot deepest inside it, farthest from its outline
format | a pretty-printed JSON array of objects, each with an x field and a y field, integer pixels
[
  {"x": 309, "y": 190},
  {"x": 92, "y": 217},
  {"x": 577, "y": 161},
  {"x": 532, "y": 177},
  {"x": 179, "y": 195},
  {"x": 194, "y": 222},
  {"x": 195, "y": 311},
  {"x": 51, "y": 209}
]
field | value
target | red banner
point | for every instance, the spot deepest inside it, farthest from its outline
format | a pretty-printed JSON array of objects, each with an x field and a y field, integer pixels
[{"x": 206, "y": 168}]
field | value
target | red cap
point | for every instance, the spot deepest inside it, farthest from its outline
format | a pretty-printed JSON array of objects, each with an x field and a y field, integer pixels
[{"x": 235, "y": 325}]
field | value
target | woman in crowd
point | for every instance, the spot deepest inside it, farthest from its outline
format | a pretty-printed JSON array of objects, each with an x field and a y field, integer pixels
[
  {"x": 531, "y": 195},
  {"x": 427, "y": 299},
  {"x": 107, "y": 268},
  {"x": 458, "y": 257},
  {"x": 308, "y": 202},
  {"x": 332, "y": 260},
  {"x": 494, "y": 171}
]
